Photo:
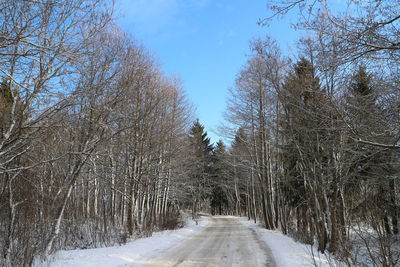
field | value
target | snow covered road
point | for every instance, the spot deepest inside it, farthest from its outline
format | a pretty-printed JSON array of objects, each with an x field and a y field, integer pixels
[
  {"x": 215, "y": 241},
  {"x": 225, "y": 242}
]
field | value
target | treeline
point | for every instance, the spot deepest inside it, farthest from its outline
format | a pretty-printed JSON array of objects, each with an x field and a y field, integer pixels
[
  {"x": 93, "y": 134},
  {"x": 315, "y": 150}
]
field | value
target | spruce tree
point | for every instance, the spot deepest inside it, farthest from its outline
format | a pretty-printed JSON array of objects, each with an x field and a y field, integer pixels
[
  {"x": 307, "y": 156},
  {"x": 370, "y": 166},
  {"x": 219, "y": 197},
  {"x": 201, "y": 166},
  {"x": 300, "y": 87},
  {"x": 361, "y": 83},
  {"x": 6, "y": 101}
]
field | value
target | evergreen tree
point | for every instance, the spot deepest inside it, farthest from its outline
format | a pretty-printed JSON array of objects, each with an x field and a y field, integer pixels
[
  {"x": 6, "y": 101},
  {"x": 219, "y": 195},
  {"x": 361, "y": 102},
  {"x": 201, "y": 166},
  {"x": 295, "y": 124},
  {"x": 5, "y": 91},
  {"x": 309, "y": 144},
  {"x": 199, "y": 141},
  {"x": 371, "y": 167},
  {"x": 299, "y": 86},
  {"x": 361, "y": 83}
]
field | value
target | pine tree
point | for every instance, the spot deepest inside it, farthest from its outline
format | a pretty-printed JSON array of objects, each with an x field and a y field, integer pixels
[
  {"x": 200, "y": 171},
  {"x": 361, "y": 83},
  {"x": 199, "y": 141},
  {"x": 297, "y": 89},
  {"x": 371, "y": 166},
  {"x": 219, "y": 195},
  {"x": 6, "y": 101},
  {"x": 307, "y": 156}
]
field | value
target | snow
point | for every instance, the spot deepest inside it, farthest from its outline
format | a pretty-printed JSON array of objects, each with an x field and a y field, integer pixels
[
  {"x": 133, "y": 253},
  {"x": 286, "y": 251}
]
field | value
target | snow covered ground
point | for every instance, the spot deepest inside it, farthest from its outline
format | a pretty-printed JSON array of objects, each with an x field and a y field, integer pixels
[
  {"x": 134, "y": 253},
  {"x": 286, "y": 252}
]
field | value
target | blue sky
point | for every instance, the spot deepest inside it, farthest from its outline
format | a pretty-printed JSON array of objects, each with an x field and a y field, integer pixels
[{"x": 204, "y": 42}]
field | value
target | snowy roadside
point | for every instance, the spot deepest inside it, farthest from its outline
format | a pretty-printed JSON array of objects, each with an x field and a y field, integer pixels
[
  {"x": 133, "y": 253},
  {"x": 286, "y": 251}
]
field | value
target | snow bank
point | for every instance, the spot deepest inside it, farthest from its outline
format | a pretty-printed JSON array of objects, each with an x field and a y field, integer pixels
[
  {"x": 133, "y": 253},
  {"x": 286, "y": 251}
]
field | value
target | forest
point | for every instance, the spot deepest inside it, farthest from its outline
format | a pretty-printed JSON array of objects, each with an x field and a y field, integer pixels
[{"x": 98, "y": 144}]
